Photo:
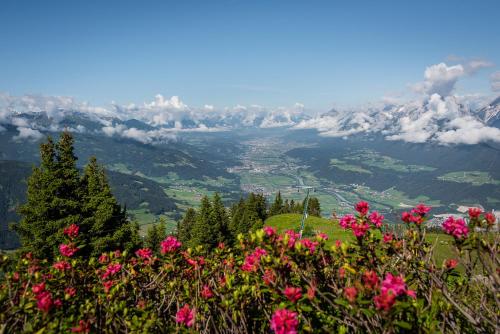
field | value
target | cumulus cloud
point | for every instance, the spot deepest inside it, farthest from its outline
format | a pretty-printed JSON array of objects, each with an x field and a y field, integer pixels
[
  {"x": 27, "y": 134},
  {"x": 467, "y": 130},
  {"x": 440, "y": 79}
]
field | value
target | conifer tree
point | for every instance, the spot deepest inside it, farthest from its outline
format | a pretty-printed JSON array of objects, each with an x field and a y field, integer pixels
[
  {"x": 203, "y": 233},
  {"x": 277, "y": 206},
  {"x": 104, "y": 225},
  {"x": 185, "y": 226},
  {"x": 219, "y": 219},
  {"x": 314, "y": 208},
  {"x": 155, "y": 234}
]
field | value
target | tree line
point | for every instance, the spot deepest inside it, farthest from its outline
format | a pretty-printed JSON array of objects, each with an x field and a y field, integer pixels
[{"x": 59, "y": 195}]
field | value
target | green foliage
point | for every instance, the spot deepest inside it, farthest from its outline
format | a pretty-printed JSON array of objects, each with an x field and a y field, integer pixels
[
  {"x": 314, "y": 208},
  {"x": 58, "y": 196},
  {"x": 155, "y": 234},
  {"x": 185, "y": 226}
]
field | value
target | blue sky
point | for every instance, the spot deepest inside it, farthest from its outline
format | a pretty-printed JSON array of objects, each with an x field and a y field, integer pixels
[{"x": 225, "y": 53}]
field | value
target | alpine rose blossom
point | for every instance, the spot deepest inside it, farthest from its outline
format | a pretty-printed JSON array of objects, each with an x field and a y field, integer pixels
[
  {"x": 293, "y": 293},
  {"x": 359, "y": 229},
  {"x": 346, "y": 221},
  {"x": 385, "y": 300},
  {"x": 144, "y": 253},
  {"x": 376, "y": 218},
  {"x": 206, "y": 293},
  {"x": 284, "y": 321},
  {"x": 44, "y": 301},
  {"x": 67, "y": 250},
  {"x": 269, "y": 231},
  {"x": 185, "y": 316},
  {"x": 474, "y": 212},
  {"x": 456, "y": 227},
  {"x": 421, "y": 209},
  {"x": 450, "y": 263},
  {"x": 394, "y": 283},
  {"x": 350, "y": 293},
  {"x": 362, "y": 207},
  {"x": 71, "y": 231},
  {"x": 490, "y": 218},
  {"x": 388, "y": 238},
  {"x": 62, "y": 265},
  {"x": 170, "y": 244}
]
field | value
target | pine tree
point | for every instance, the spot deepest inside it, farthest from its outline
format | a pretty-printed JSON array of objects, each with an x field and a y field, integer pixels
[
  {"x": 277, "y": 206},
  {"x": 237, "y": 211},
  {"x": 314, "y": 208},
  {"x": 286, "y": 207},
  {"x": 203, "y": 233},
  {"x": 219, "y": 219},
  {"x": 155, "y": 234},
  {"x": 105, "y": 225},
  {"x": 185, "y": 227}
]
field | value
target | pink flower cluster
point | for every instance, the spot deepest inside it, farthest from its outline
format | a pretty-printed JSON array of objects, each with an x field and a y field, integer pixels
[
  {"x": 252, "y": 260},
  {"x": 111, "y": 270},
  {"x": 71, "y": 231},
  {"x": 269, "y": 231},
  {"x": 68, "y": 250},
  {"x": 62, "y": 265},
  {"x": 144, "y": 253},
  {"x": 392, "y": 287},
  {"x": 416, "y": 215},
  {"x": 310, "y": 245},
  {"x": 362, "y": 207},
  {"x": 169, "y": 245},
  {"x": 44, "y": 300},
  {"x": 293, "y": 293},
  {"x": 185, "y": 316},
  {"x": 284, "y": 321},
  {"x": 456, "y": 227},
  {"x": 376, "y": 219}
]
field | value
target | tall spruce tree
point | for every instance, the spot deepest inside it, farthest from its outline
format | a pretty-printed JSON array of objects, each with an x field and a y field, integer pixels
[
  {"x": 219, "y": 219},
  {"x": 314, "y": 208},
  {"x": 277, "y": 206},
  {"x": 57, "y": 197},
  {"x": 104, "y": 225},
  {"x": 185, "y": 226},
  {"x": 203, "y": 232},
  {"x": 155, "y": 234}
]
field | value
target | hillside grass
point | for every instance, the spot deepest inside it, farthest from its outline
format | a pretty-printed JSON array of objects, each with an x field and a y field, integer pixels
[{"x": 291, "y": 221}]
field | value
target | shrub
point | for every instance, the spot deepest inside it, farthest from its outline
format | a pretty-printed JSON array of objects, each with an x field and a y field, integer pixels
[{"x": 382, "y": 282}]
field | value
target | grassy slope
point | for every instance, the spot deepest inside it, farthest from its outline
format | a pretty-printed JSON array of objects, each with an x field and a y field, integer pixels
[{"x": 289, "y": 221}]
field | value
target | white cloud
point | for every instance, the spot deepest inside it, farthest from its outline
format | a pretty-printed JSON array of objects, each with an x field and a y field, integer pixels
[
  {"x": 440, "y": 79},
  {"x": 467, "y": 130},
  {"x": 27, "y": 134},
  {"x": 474, "y": 65}
]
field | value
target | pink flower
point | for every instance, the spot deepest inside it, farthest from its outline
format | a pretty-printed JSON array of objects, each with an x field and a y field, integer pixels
[
  {"x": 38, "y": 288},
  {"x": 83, "y": 327},
  {"x": 418, "y": 219},
  {"x": 169, "y": 245},
  {"x": 111, "y": 270},
  {"x": 284, "y": 321},
  {"x": 362, "y": 207},
  {"x": 144, "y": 253},
  {"x": 310, "y": 245},
  {"x": 270, "y": 231},
  {"x": 394, "y": 283},
  {"x": 311, "y": 292},
  {"x": 376, "y": 218},
  {"x": 252, "y": 261},
  {"x": 370, "y": 279},
  {"x": 474, "y": 212},
  {"x": 293, "y": 293},
  {"x": 71, "y": 231},
  {"x": 490, "y": 218},
  {"x": 350, "y": 293},
  {"x": 206, "y": 292},
  {"x": 268, "y": 277},
  {"x": 421, "y": 209},
  {"x": 67, "y": 250},
  {"x": 388, "y": 238},
  {"x": 385, "y": 300},
  {"x": 44, "y": 301},
  {"x": 406, "y": 217},
  {"x": 322, "y": 236},
  {"x": 107, "y": 285},
  {"x": 346, "y": 221},
  {"x": 70, "y": 291},
  {"x": 451, "y": 263},
  {"x": 411, "y": 293},
  {"x": 104, "y": 258},
  {"x": 185, "y": 316},
  {"x": 359, "y": 229},
  {"x": 292, "y": 237},
  {"x": 62, "y": 265},
  {"x": 456, "y": 227}
]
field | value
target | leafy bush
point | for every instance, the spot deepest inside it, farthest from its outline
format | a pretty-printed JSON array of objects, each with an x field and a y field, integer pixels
[{"x": 383, "y": 282}]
